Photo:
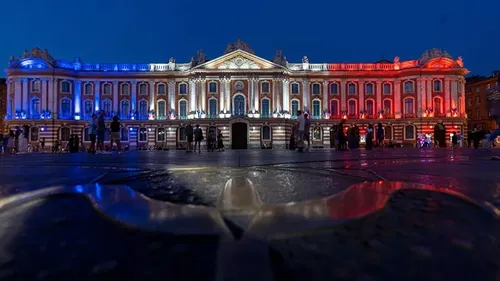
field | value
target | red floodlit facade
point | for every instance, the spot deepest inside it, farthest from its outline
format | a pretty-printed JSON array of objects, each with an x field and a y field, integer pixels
[{"x": 253, "y": 101}]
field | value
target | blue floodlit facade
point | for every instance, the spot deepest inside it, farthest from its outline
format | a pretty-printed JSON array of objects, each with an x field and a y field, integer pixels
[{"x": 154, "y": 101}]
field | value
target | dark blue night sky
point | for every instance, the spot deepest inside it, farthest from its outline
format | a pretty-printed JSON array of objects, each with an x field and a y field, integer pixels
[{"x": 133, "y": 31}]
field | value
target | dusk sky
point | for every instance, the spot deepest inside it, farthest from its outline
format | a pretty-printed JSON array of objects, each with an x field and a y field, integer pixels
[{"x": 132, "y": 31}]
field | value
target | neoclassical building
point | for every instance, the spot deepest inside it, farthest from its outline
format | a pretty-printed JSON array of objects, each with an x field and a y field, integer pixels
[{"x": 252, "y": 100}]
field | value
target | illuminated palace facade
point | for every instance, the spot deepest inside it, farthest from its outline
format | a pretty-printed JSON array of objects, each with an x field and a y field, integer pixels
[{"x": 253, "y": 101}]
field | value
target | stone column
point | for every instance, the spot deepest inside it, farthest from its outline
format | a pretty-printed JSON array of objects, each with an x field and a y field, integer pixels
[
  {"x": 97, "y": 95},
  {"x": 171, "y": 94},
  {"x": 447, "y": 96},
  {"x": 10, "y": 106},
  {"x": 51, "y": 96},
  {"x": 454, "y": 94},
  {"x": 462, "y": 96},
  {"x": 325, "y": 96},
  {"x": 275, "y": 99},
  {"x": 418, "y": 102},
  {"x": 203, "y": 102},
  {"x": 286, "y": 95},
  {"x": 152, "y": 103},
  {"x": 397, "y": 99},
  {"x": 343, "y": 95},
  {"x": 77, "y": 100},
  {"x": 25, "y": 105},
  {"x": 428, "y": 92},
  {"x": 44, "y": 94},
  {"x": 115, "y": 97},
  {"x": 361, "y": 92},
  {"x": 251, "y": 97},
  {"x": 222, "y": 93},
  {"x": 306, "y": 85},
  {"x": 256, "y": 93},
  {"x": 18, "y": 99},
  {"x": 228, "y": 95},
  {"x": 379, "y": 94},
  {"x": 133, "y": 103},
  {"x": 192, "y": 95}
]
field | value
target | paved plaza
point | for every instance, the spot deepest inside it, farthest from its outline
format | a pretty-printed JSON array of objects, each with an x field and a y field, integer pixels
[{"x": 415, "y": 235}]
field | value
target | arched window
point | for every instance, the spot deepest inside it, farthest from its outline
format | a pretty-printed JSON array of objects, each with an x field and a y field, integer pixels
[
  {"x": 143, "y": 110},
  {"x": 87, "y": 89},
  {"x": 88, "y": 109},
  {"x": 408, "y": 87},
  {"x": 438, "y": 87},
  {"x": 162, "y": 110},
  {"x": 295, "y": 108},
  {"x": 143, "y": 89},
  {"x": 388, "y": 107},
  {"x": 409, "y": 106},
  {"x": 183, "y": 109},
  {"x": 409, "y": 132},
  {"x": 161, "y": 134},
  {"x": 106, "y": 90},
  {"x": 125, "y": 89},
  {"x": 437, "y": 106},
  {"x": 65, "y": 87},
  {"x": 124, "y": 134},
  {"x": 35, "y": 108},
  {"x": 369, "y": 88},
  {"x": 65, "y": 108},
  {"x": 181, "y": 134},
  {"x": 370, "y": 107},
  {"x": 106, "y": 106},
  {"x": 351, "y": 107},
  {"x": 266, "y": 108},
  {"x": 34, "y": 133},
  {"x": 266, "y": 133},
  {"x": 316, "y": 109},
  {"x": 182, "y": 89},
  {"x": 334, "y": 107},
  {"x": 125, "y": 110},
  {"x": 239, "y": 105},
  {"x": 351, "y": 88},
  {"x": 317, "y": 133},
  {"x": 388, "y": 132},
  {"x": 143, "y": 134},
  {"x": 64, "y": 133},
  {"x": 162, "y": 89},
  {"x": 212, "y": 108}
]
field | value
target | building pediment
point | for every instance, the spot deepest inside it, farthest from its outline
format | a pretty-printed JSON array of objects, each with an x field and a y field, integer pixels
[{"x": 237, "y": 60}]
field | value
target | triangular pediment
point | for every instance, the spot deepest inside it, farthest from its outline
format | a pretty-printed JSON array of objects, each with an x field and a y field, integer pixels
[{"x": 238, "y": 59}]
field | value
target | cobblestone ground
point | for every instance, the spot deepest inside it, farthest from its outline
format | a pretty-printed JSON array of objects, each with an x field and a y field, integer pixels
[{"x": 420, "y": 235}]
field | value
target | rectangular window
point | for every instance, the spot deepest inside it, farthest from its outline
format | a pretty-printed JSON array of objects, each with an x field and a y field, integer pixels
[
  {"x": 316, "y": 89},
  {"x": 387, "y": 89},
  {"x": 334, "y": 89},
  {"x": 316, "y": 109},
  {"x": 265, "y": 108},
  {"x": 183, "y": 89},
  {"x": 212, "y": 87},
  {"x": 295, "y": 89},
  {"x": 478, "y": 100},
  {"x": 265, "y": 87}
]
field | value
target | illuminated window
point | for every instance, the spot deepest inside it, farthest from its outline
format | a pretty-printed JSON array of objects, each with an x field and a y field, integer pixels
[
  {"x": 106, "y": 89},
  {"x": 295, "y": 88},
  {"x": 265, "y": 86},
  {"x": 162, "y": 110},
  {"x": 161, "y": 134},
  {"x": 351, "y": 107},
  {"x": 409, "y": 132},
  {"x": 88, "y": 109},
  {"x": 438, "y": 86},
  {"x": 266, "y": 108},
  {"x": 316, "y": 89},
  {"x": 351, "y": 88},
  {"x": 387, "y": 89},
  {"x": 65, "y": 108},
  {"x": 106, "y": 106},
  {"x": 408, "y": 87},
  {"x": 143, "y": 110},
  {"x": 212, "y": 87},
  {"x": 212, "y": 108},
  {"x": 124, "y": 134},
  {"x": 239, "y": 105},
  {"x": 266, "y": 133},
  {"x": 437, "y": 106},
  {"x": 87, "y": 89},
  {"x": 295, "y": 107},
  {"x": 409, "y": 106},
  {"x": 125, "y": 89},
  {"x": 143, "y": 134},
  {"x": 370, "y": 107},
  {"x": 388, "y": 107},
  {"x": 65, "y": 86},
  {"x": 35, "y": 86},
  {"x": 334, "y": 107},
  {"x": 125, "y": 109},
  {"x": 183, "y": 109},
  {"x": 35, "y": 108},
  {"x": 316, "y": 109},
  {"x": 334, "y": 89},
  {"x": 317, "y": 133},
  {"x": 369, "y": 89},
  {"x": 181, "y": 134},
  {"x": 162, "y": 89}
]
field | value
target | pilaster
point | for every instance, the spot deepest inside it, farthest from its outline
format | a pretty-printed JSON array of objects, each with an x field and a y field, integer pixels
[
  {"x": 379, "y": 94},
  {"x": 115, "y": 96},
  {"x": 97, "y": 95},
  {"x": 25, "y": 105},
  {"x": 306, "y": 85},
  {"x": 171, "y": 94},
  {"x": 152, "y": 103},
  {"x": 286, "y": 95}
]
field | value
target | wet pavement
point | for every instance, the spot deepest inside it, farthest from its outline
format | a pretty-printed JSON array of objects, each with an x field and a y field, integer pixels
[{"x": 418, "y": 235}]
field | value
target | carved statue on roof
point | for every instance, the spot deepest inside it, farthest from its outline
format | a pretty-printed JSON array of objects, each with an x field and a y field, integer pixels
[
  {"x": 434, "y": 53},
  {"x": 460, "y": 61},
  {"x": 238, "y": 45},
  {"x": 279, "y": 58},
  {"x": 193, "y": 61},
  {"x": 305, "y": 59},
  {"x": 396, "y": 59},
  {"x": 39, "y": 54},
  {"x": 171, "y": 60},
  {"x": 202, "y": 58}
]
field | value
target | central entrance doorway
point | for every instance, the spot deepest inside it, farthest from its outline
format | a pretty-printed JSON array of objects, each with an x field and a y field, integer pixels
[
  {"x": 440, "y": 134},
  {"x": 239, "y": 135}
]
